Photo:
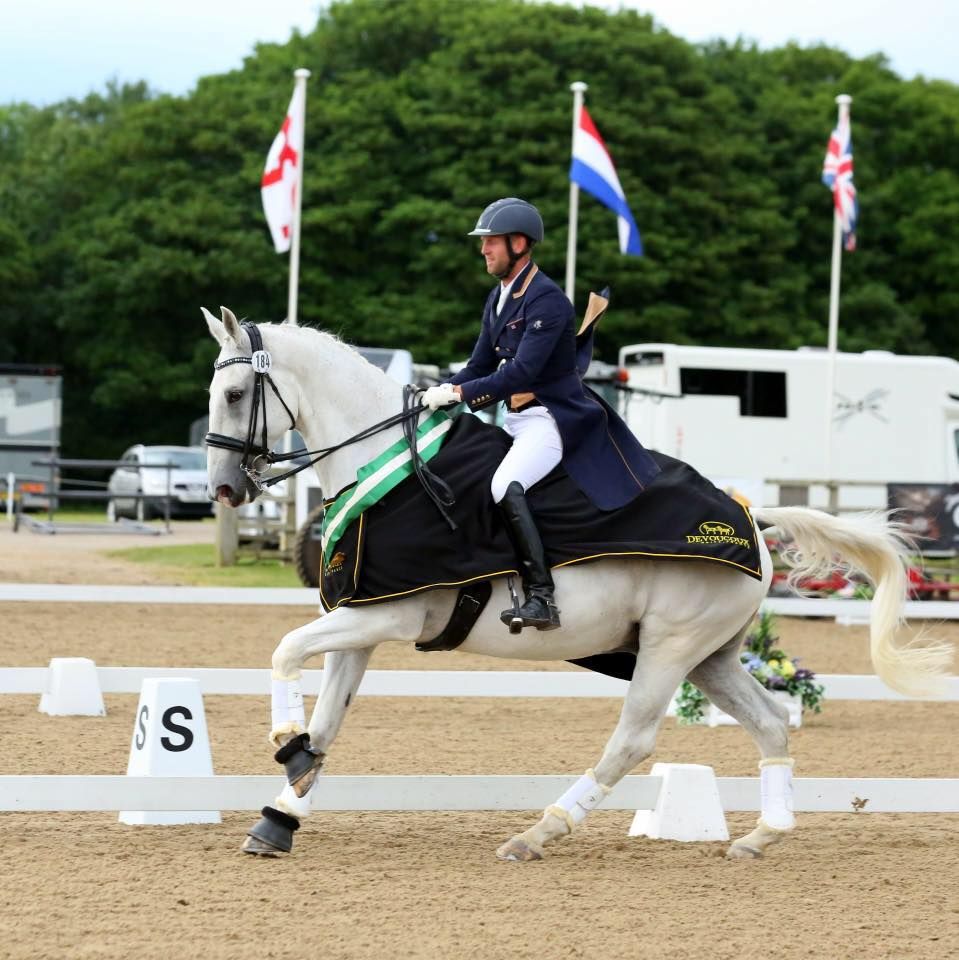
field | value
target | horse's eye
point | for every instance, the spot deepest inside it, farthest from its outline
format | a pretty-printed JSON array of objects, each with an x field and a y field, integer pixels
[{"x": 234, "y": 396}]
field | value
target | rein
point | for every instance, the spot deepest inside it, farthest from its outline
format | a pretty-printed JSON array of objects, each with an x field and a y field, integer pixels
[{"x": 436, "y": 489}]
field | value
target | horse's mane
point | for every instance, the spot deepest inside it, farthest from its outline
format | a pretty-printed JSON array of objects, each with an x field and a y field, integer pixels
[{"x": 335, "y": 343}]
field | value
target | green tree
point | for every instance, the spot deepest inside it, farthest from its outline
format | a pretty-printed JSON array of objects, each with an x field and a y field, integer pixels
[{"x": 124, "y": 212}]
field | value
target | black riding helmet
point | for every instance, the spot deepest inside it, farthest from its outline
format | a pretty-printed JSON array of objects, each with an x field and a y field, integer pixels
[{"x": 510, "y": 215}]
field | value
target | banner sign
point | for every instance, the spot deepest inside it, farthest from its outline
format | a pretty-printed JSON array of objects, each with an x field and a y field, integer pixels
[{"x": 930, "y": 512}]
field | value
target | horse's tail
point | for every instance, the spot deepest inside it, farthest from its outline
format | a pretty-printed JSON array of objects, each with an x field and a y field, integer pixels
[{"x": 877, "y": 546}]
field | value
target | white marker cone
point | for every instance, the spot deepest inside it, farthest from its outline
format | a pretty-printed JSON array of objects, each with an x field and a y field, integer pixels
[
  {"x": 170, "y": 740},
  {"x": 73, "y": 689},
  {"x": 688, "y": 806}
]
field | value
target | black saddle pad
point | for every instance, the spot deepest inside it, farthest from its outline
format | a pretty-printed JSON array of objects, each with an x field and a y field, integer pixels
[{"x": 401, "y": 545}]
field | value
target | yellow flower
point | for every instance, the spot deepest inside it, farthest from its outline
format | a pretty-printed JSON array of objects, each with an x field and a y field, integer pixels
[
  {"x": 772, "y": 664},
  {"x": 787, "y": 669}
]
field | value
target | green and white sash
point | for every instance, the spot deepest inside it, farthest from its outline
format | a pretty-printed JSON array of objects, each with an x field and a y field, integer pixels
[{"x": 380, "y": 476}]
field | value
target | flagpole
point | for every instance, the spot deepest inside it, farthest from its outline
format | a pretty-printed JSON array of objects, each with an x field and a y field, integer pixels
[
  {"x": 578, "y": 88},
  {"x": 843, "y": 101},
  {"x": 301, "y": 76}
]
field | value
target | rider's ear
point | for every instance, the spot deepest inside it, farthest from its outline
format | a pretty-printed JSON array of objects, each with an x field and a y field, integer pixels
[{"x": 225, "y": 332}]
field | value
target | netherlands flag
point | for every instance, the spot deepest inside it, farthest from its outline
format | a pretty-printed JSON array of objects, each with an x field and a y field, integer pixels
[
  {"x": 592, "y": 168},
  {"x": 837, "y": 175}
]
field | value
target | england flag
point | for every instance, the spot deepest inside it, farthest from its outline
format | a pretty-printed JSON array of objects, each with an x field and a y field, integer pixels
[
  {"x": 281, "y": 175},
  {"x": 837, "y": 175},
  {"x": 592, "y": 168}
]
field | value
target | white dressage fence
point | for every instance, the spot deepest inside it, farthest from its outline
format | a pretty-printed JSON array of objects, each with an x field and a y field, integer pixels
[
  {"x": 157, "y": 798},
  {"x": 409, "y": 793},
  {"x": 162, "y": 795},
  {"x": 851, "y": 611},
  {"x": 421, "y": 683}
]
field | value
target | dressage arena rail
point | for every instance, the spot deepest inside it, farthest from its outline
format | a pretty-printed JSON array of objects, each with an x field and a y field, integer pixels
[
  {"x": 431, "y": 793},
  {"x": 237, "y": 681},
  {"x": 412, "y": 793},
  {"x": 435, "y": 793},
  {"x": 854, "y": 610}
]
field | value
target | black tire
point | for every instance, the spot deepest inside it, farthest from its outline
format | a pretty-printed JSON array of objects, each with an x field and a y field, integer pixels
[{"x": 307, "y": 550}]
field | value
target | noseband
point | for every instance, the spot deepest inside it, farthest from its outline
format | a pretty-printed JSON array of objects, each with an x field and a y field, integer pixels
[{"x": 256, "y": 453}]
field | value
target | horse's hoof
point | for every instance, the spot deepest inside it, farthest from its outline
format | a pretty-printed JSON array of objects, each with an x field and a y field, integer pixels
[
  {"x": 754, "y": 844},
  {"x": 518, "y": 850},
  {"x": 740, "y": 851},
  {"x": 272, "y": 834},
  {"x": 261, "y": 849}
]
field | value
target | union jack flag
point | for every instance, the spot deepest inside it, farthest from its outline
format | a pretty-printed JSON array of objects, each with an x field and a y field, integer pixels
[{"x": 837, "y": 175}]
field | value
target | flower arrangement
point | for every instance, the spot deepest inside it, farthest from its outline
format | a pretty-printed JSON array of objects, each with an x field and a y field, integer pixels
[{"x": 768, "y": 664}]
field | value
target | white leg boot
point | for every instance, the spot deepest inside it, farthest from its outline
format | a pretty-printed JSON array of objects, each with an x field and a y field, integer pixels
[
  {"x": 559, "y": 819},
  {"x": 776, "y": 818}
]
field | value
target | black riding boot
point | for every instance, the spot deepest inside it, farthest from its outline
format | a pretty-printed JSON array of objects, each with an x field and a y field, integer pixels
[{"x": 539, "y": 610}]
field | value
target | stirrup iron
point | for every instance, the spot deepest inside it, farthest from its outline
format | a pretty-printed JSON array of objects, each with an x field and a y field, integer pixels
[{"x": 513, "y": 618}]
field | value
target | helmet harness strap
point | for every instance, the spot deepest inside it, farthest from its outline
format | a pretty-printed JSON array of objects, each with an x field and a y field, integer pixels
[{"x": 513, "y": 255}]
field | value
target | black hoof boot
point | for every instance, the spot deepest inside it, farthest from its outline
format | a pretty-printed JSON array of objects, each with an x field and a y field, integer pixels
[
  {"x": 299, "y": 760},
  {"x": 272, "y": 834}
]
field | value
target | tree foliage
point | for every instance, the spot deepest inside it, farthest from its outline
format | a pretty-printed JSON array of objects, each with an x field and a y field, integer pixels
[{"x": 122, "y": 213}]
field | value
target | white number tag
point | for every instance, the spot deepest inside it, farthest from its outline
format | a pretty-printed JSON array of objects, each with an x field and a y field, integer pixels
[{"x": 262, "y": 361}]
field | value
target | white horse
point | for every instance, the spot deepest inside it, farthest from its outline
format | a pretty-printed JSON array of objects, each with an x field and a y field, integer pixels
[{"x": 692, "y": 616}]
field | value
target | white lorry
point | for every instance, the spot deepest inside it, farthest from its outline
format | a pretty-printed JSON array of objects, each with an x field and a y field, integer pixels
[
  {"x": 30, "y": 415},
  {"x": 760, "y": 416}
]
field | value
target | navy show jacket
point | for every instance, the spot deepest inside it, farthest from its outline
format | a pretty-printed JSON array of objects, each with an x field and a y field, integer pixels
[{"x": 532, "y": 347}]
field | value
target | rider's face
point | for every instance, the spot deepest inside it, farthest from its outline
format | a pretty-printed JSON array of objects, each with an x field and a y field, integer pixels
[{"x": 496, "y": 255}]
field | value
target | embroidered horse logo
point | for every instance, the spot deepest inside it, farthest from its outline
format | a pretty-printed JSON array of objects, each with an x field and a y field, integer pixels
[
  {"x": 710, "y": 528},
  {"x": 336, "y": 562}
]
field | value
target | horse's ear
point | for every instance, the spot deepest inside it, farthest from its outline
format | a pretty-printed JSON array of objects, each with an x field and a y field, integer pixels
[
  {"x": 221, "y": 331},
  {"x": 231, "y": 324},
  {"x": 217, "y": 330}
]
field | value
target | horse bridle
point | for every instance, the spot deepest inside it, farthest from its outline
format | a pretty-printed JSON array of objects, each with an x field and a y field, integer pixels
[{"x": 253, "y": 452}]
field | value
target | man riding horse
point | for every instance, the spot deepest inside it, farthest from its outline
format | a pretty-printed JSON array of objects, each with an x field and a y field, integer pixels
[{"x": 527, "y": 355}]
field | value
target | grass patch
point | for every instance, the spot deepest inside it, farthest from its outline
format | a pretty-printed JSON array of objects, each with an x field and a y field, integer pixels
[
  {"x": 71, "y": 515},
  {"x": 82, "y": 513},
  {"x": 194, "y": 565}
]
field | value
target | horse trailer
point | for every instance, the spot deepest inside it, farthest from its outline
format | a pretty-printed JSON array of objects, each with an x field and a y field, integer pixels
[
  {"x": 30, "y": 414},
  {"x": 761, "y": 416}
]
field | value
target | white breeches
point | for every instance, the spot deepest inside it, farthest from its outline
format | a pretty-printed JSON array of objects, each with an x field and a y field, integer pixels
[{"x": 537, "y": 448}]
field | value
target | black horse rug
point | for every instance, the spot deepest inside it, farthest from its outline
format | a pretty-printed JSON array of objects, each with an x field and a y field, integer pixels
[{"x": 401, "y": 544}]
